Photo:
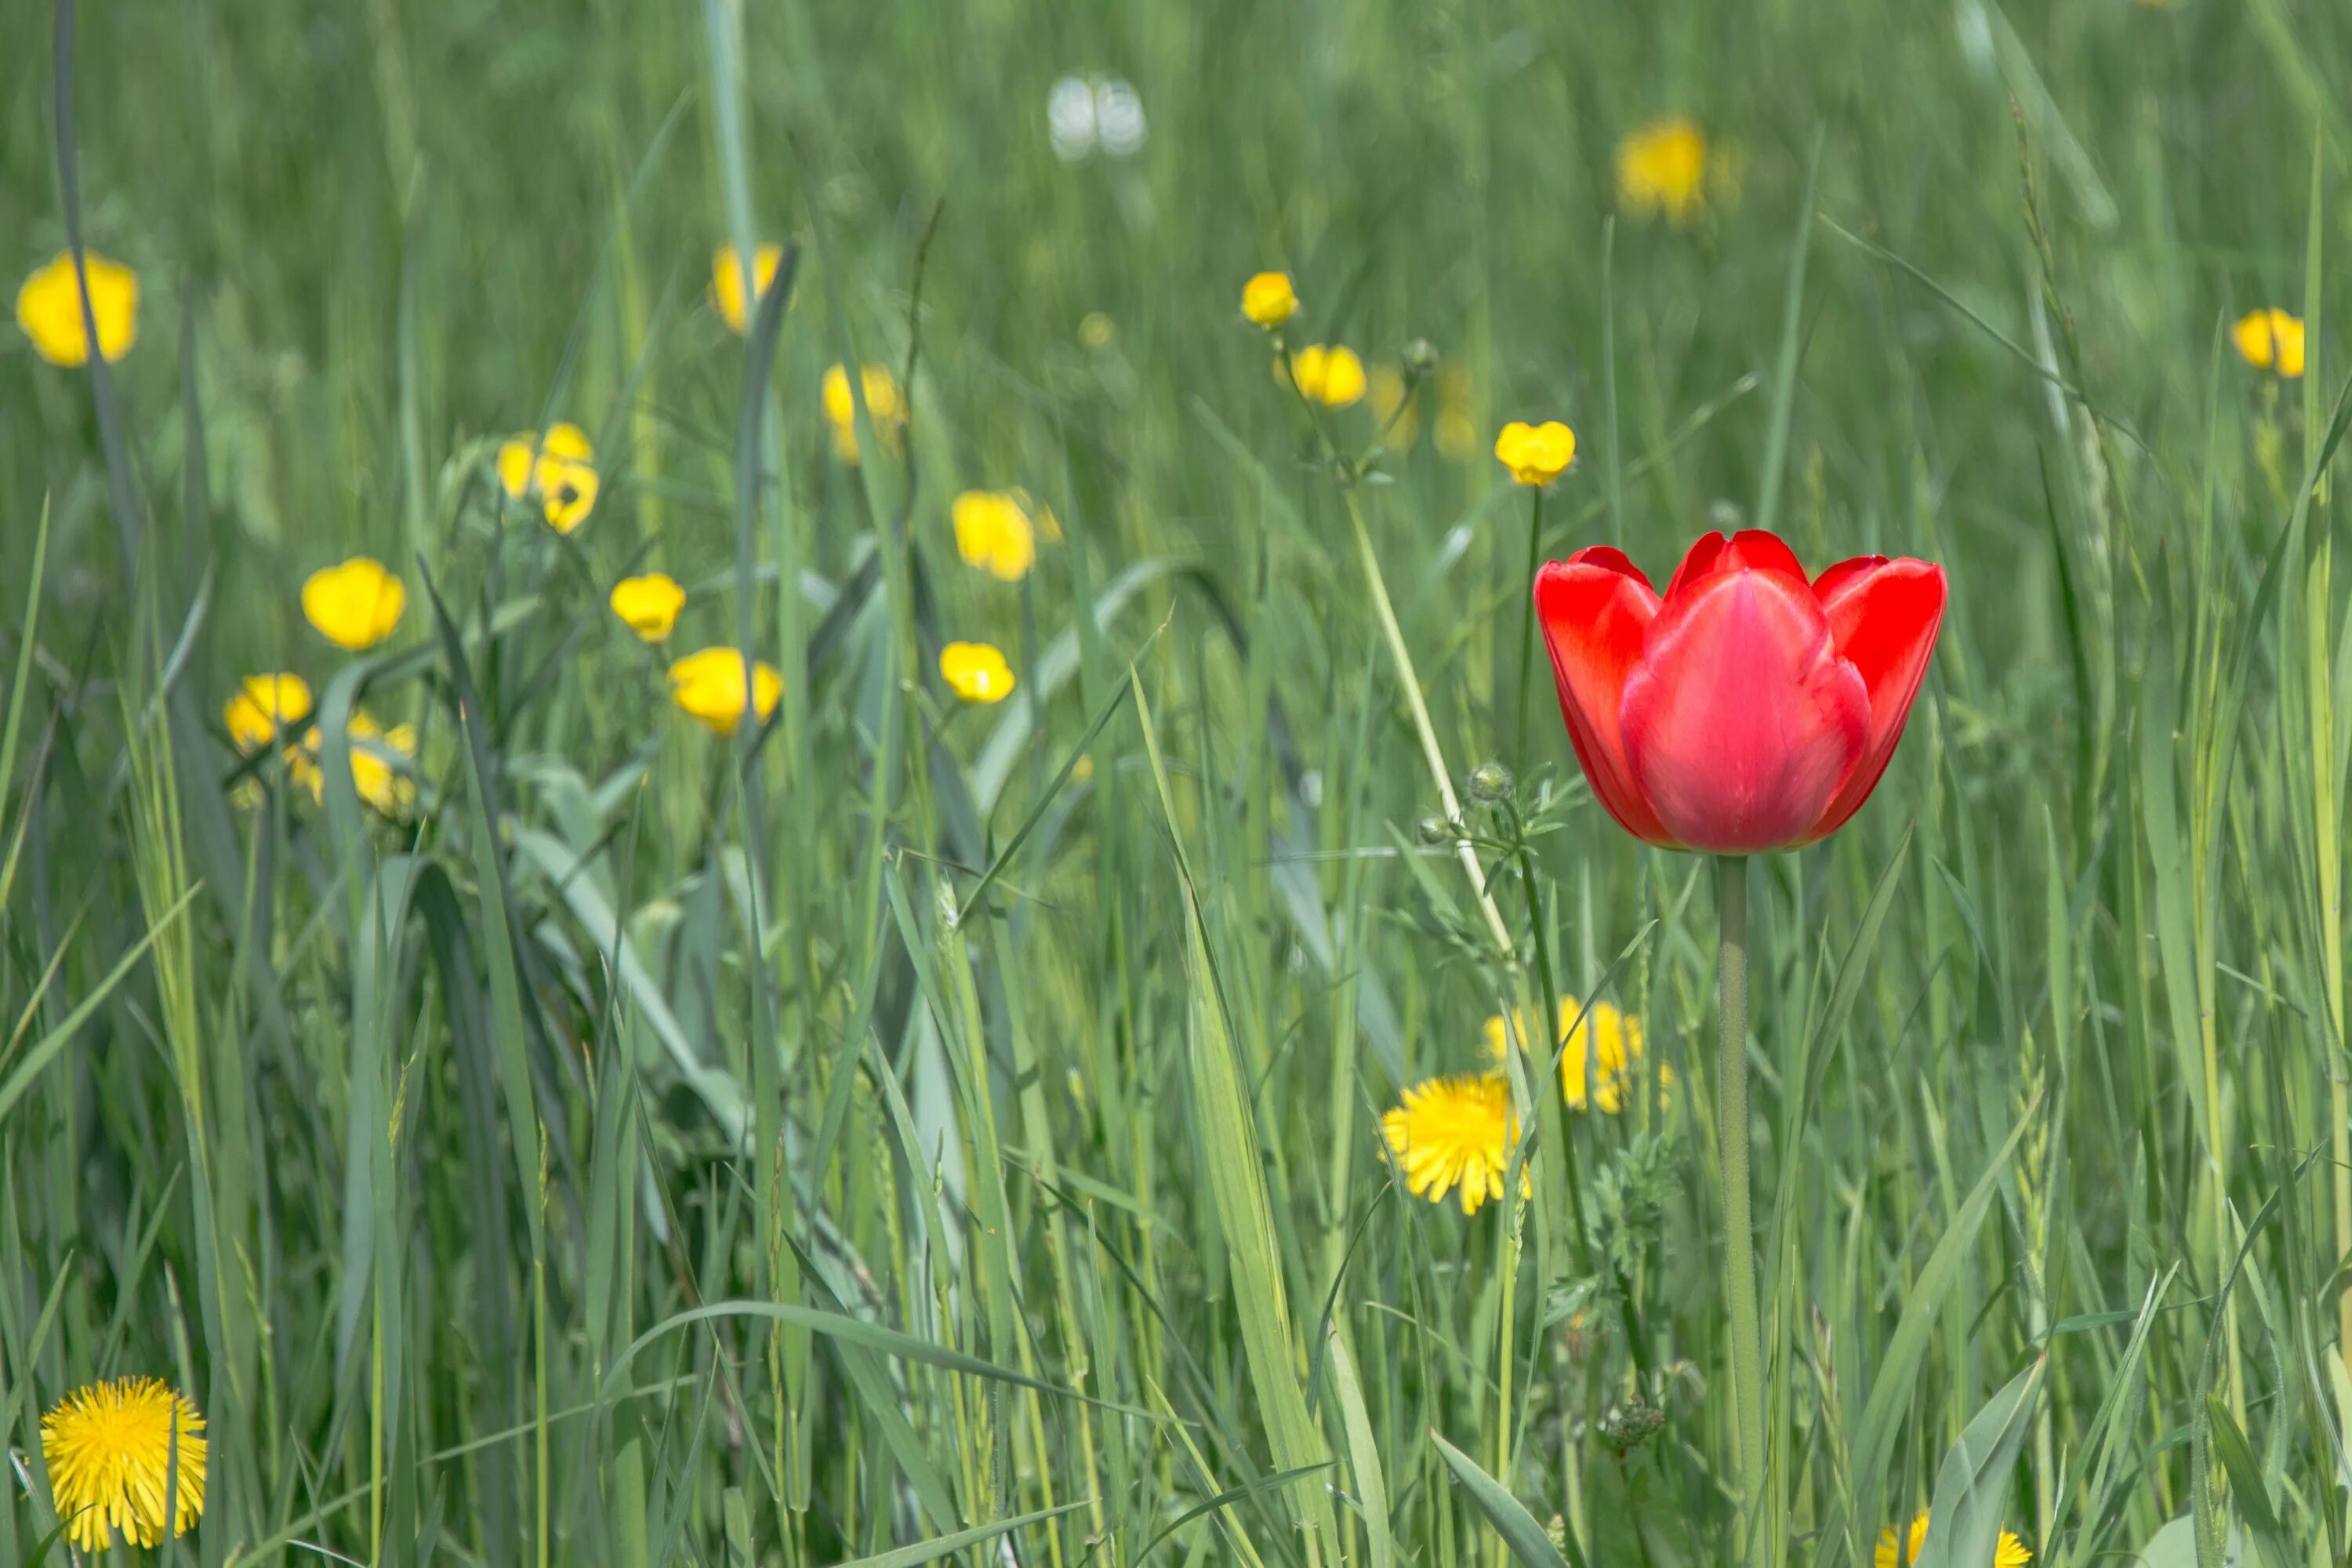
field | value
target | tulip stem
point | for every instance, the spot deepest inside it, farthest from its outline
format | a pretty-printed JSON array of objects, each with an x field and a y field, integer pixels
[
  {"x": 1739, "y": 1260},
  {"x": 1528, "y": 628}
]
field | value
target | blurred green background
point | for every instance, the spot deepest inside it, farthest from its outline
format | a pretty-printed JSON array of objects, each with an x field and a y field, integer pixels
[{"x": 414, "y": 1143}]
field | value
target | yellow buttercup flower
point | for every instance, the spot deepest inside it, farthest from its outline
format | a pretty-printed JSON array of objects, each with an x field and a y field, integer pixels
[
  {"x": 1330, "y": 375},
  {"x": 976, "y": 671},
  {"x": 48, "y": 307},
  {"x": 726, "y": 282},
  {"x": 109, "y": 1446},
  {"x": 2270, "y": 339},
  {"x": 1268, "y": 299},
  {"x": 649, "y": 605},
  {"x": 1095, "y": 330},
  {"x": 1535, "y": 453},
  {"x": 1662, "y": 168},
  {"x": 1455, "y": 1133},
  {"x": 994, "y": 533},
  {"x": 355, "y": 605},
  {"x": 2008, "y": 1553},
  {"x": 381, "y": 765},
  {"x": 884, "y": 405},
  {"x": 559, "y": 469},
  {"x": 266, "y": 707},
  {"x": 1602, "y": 1052},
  {"x": 1395, "y": 408},
  {"x": 708, "y": 686}
]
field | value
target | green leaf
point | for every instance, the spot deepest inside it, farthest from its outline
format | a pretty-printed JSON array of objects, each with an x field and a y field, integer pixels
[
  {"x": 1528, "y": 1539},
  {"x": 1972, "y": 1485}
]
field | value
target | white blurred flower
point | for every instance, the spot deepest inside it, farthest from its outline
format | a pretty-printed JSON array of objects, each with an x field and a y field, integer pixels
[
  {"x": 1118, "y": 117},
  {"x": 1070, "y": 119},
  {"x": 1083, "y": 114}
]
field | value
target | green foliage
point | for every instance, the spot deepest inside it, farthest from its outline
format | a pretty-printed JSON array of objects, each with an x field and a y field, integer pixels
[{"x": 907, "y": 1129}]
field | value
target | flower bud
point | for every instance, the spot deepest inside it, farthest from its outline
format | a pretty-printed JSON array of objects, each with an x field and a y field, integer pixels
[
  {"x": 1419, "y": 357},
  {"x": 1490, "y": 782}
]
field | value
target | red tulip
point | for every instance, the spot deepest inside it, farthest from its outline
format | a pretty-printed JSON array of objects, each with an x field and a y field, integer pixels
[{"x": 1748, "y": 710}]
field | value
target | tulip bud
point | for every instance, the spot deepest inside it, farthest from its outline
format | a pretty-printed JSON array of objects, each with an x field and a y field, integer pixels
[
  {"x": 1419, "y": 357},
  {"x": 1490, "y": 782}
]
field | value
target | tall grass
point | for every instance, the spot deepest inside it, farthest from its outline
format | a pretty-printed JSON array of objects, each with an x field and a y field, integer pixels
[{"x": 912, "y": 1130}]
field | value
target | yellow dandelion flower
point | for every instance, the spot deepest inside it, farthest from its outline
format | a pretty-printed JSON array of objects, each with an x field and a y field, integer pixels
[
  {"x": 1268, "y": 299},
  {"x": 2008, "y": 1553},
  {"x": 1601, "y": 1053},
  {"x": 1395, "y": 408},
  {"x": 884, "y": 405},
  {"x": 726, "y": 282},
  {"x": 109, "y": 1448},
  {"x": 649, "y": 604},
  {"x": 2270, "y": 339},
  {"x": 1662, "y": 168},
  {"x": 355, "y": 605},
  {"x": 708, "y": 686},
  {"x": 1455, "y": 1133},
  {"x": 976, "y": 671},
  {"x": 48, "y": 308},
  {"x": 993, "y": 534},
  {"x": 382, "y": 764},
  {"x": 265, "y": 707},
  {"x": 1535, "y": 453},
  {"x": 1330, "y": 375}
]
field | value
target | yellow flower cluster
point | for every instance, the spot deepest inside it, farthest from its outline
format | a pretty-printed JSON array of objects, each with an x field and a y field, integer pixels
[
  {"x": 885, "y": 405},
  {"x": 1458, "y": 1132},
  {"x": 559, "y": 469}
]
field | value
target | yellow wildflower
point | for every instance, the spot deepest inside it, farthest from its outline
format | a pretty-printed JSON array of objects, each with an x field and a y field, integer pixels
[
  {"x": 649, "y": 605},
  {"x": 1662, "y": 168},
  {"x": 1457, "y": 427},
  {"x": 560, "y": 470},
  {"x": 884, "y": 405},
  {"x": 1456, "y": 1132},
  {"x": 2008, "y": 1553},
  {"x": 48, "y": 308},
  {"x": 109, "y": 1446},
  {"x": 726, "y": 282},
  {"x": 355, "y": 605},
  {"x": 1096, "y": 330},
  {"x": 993, "y": 533},
  {"x": 1601, "y": 1051},
  {"x": 383, "y": 762},
  {"x": 1535, "y": 453},
  {"x": 976, "y": 671},
  {"x": 1330, "y": 375},
  {"x": 2270, "y": 339},
  {"x": 266, "y": 707},
  {"x": 708, "y": 686},
  {"x": 1268, "y": 299}
]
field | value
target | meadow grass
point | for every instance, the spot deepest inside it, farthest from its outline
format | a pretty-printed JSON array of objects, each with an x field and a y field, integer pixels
[{"x": 911, "y": 1128}]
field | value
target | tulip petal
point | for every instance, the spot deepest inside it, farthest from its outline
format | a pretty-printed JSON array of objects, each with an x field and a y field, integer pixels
[
  {"x": 1596, "y": 607},
  {"x": 1750, "y": 549},
  {"x": 1883, "y": 616},
  {"x": 1740, "y": 722}
]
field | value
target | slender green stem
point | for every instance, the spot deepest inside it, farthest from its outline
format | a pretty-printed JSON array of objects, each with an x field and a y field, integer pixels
[
  {"x": 1739, "y": 1259},
  {"x": 1528, "y": 628},
  {"x": 1385, "y": 612}
]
